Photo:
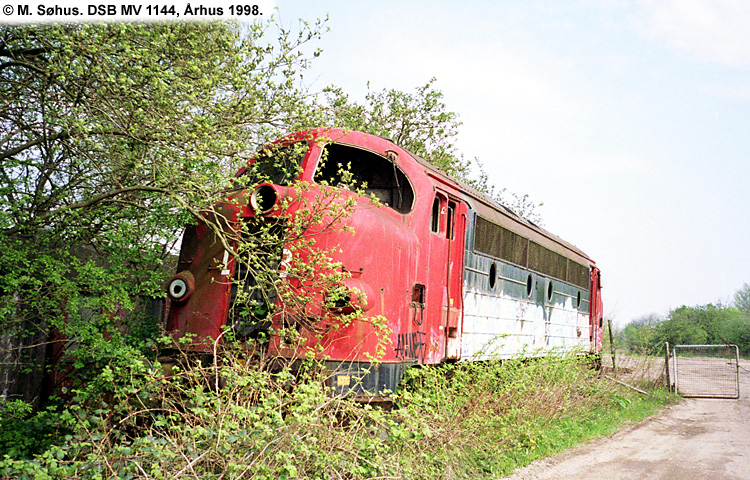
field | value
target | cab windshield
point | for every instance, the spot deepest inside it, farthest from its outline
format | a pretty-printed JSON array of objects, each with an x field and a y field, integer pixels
[
  {"x": 345, "y": 166},
  {"x": 277, "y": 164}
]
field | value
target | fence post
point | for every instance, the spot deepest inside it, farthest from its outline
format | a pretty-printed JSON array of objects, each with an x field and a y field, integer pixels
[
  {"x": 737, "y": 359},
  {"x": 666, "y": 365},
  {"x": 612, "y": 346}
]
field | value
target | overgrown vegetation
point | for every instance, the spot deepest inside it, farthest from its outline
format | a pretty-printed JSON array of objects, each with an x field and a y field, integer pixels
[
  {"x": 468, "y": 420},
  {"x": 115, "y": 136},
  {"x": 699, "y": 325}
]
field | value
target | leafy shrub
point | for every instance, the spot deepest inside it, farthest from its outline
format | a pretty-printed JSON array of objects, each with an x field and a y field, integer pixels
[{"x": 234, "y": 418}]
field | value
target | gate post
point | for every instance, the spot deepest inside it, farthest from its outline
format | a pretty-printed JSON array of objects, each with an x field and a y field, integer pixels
[
  {"x": 666, "y": 365},
  {"x": 737, "y": 359},
  {"x": 612, "y": 346}
]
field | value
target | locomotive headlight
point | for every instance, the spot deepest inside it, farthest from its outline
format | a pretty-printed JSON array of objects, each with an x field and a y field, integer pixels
[
  {"x": 181, "y": 286},
  {"x": 264, "y": 198}
]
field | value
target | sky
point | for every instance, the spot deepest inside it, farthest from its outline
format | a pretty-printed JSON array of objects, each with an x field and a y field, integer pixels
[{"x": 628, "y": 119}]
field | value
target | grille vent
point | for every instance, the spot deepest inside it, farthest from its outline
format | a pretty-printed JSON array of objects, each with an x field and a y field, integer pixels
[
  {"x": 499, "y": 242},
  {"x": 546, "y": 261}
]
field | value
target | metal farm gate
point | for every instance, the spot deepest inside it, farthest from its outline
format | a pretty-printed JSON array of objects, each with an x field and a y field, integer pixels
[{"x": 707, "y": 371}]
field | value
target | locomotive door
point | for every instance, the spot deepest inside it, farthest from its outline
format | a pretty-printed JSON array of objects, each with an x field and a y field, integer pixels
[{"x": 453, "y": 232}]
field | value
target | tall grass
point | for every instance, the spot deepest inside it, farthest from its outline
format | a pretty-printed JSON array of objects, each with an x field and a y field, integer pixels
[
  {"x": 491, "y": 417},
  {"x": 466, "y": 420}
]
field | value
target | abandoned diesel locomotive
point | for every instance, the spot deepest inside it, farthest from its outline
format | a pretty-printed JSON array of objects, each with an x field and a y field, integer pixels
[{"x": 420, "y": 268}]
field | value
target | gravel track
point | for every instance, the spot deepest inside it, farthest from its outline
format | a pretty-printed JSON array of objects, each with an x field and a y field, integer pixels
[{"x": 695, "y": 439}]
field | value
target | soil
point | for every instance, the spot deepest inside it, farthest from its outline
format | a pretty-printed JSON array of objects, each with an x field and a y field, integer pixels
[{"x": 695, "y": 439}]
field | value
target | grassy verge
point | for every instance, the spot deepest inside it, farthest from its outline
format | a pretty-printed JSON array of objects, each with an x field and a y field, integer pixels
[
  {"x": 489, "y": 418},
  {"x": 546, "y": 438},
  {"x": 471, "y": 420}
]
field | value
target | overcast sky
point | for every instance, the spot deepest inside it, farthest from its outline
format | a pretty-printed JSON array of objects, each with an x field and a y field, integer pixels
[{"x": 628, "y": 119}]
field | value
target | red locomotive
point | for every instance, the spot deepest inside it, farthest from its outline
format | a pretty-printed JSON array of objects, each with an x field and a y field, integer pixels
[{"x": 438, "y": 271}]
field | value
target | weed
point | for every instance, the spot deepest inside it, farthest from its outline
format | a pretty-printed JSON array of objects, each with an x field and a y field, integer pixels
[{"x": 465, "y": 420}]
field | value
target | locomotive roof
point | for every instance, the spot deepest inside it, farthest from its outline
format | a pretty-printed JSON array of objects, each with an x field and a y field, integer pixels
[
  {"x": 484, "y": 205},
  {"x": 492, "y": 210}
]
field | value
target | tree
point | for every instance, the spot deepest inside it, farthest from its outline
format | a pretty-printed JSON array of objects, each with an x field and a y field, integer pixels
[
  {"x": 640, "y": 335},
  {"x": 100, "y": 114},
  {"x": 684, "y": 326},
  {"x": 112, "y": 137},
  {"x": 421, "y": 123},
  {"x": 742, "y": 299},
  {"x": 704, "y": 324}
]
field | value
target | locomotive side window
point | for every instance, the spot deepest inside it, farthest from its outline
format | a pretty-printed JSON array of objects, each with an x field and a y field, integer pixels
[
  {"x": 451, "y": 220},
  {"x": 435, "y": 219},
  {"x": 344, "y": 166}
]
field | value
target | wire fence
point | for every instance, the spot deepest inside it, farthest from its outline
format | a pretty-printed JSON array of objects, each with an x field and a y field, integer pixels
[{"x": 707, "y": 371}]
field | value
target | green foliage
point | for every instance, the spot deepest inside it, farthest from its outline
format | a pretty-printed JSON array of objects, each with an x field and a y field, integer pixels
[
  {"x": 231, "y": 417},
  {"x": 254, "y": 426},
  {"x": 742, "y": 299},
  {"x": 114, "y": 137},
  {"x": 22, "y": 434},
  {"x": 485, "y": 419},
  {"x": 421, "y": 123},
  {"x": 117, "y": 135},
  {"x": 640, "y": 336},
  {"x": 699, "y": 325}
]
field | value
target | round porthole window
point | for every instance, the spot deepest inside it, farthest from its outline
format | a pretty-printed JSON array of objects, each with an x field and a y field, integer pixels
[
  {"x": 549, "y": 291},
  {"x": 578, "y": 300},
  {"x": 493, "y": 275},
  {"x": 529, "y": 285}
]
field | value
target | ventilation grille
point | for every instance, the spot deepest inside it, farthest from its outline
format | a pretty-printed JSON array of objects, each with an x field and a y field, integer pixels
[
  {"x": 499, "y": 242},
  {"x": 546, "y": 261},
  {"x": 578, "y": 274}
]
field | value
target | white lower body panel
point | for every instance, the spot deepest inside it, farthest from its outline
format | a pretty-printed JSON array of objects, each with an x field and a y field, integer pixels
[{"x": 500, "y": 326}]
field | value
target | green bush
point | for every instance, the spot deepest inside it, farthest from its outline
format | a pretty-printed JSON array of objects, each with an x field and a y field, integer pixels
[{"x": 464, "y": 420}]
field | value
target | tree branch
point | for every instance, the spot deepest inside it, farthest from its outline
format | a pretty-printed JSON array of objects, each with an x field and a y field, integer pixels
[
  {"x": 58, "y": 136},
  {"x": 93, "y": 201}
]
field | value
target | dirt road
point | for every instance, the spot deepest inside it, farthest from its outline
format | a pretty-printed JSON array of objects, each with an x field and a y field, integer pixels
[{"x": 696, "y": 439}]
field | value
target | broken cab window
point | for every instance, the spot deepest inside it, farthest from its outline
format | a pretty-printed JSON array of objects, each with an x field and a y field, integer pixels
[
  {"x": 343, "y": 166},
  {"x": 277, "y": 164},
  {"x": 435, "y": 217}
]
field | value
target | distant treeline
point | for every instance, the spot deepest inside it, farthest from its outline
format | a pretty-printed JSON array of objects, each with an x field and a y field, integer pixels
[{"x": 697, "y": 325}]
